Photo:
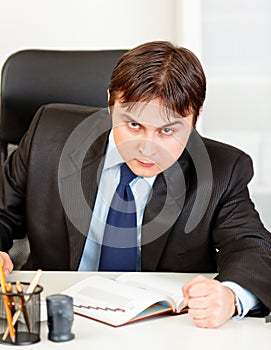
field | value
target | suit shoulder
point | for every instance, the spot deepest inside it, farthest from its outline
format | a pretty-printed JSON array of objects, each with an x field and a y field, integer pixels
[
  {"x": 63, "y": 116},
  {"x": 223, "y": 151},
  {"x": 54, "y": 123},
  {"x": 229, "y": 164}
]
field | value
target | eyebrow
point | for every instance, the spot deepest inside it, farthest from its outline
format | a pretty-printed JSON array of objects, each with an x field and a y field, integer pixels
[{"x": 131, "y": 119}]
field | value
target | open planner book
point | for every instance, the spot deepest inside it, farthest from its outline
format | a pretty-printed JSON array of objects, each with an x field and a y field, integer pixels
[{"x": 128, "y": 298}]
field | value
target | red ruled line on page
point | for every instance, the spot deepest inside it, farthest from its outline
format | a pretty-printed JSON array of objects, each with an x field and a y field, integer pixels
[{"x": 98, "y": 308}]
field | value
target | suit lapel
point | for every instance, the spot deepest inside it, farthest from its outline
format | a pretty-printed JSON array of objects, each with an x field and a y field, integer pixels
[
  {"x": 194, "y": 165},
  {"x": 165, "y": 205},
  {"x": 79, "y": 182}
]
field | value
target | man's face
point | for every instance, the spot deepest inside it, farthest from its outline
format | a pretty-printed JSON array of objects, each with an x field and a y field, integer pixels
[{"x": 149, "y": 138}]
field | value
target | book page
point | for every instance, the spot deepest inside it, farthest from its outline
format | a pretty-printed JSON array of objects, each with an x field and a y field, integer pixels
[
  {"x": 109, "y": 301},
  {"x": 164, "y": 285}
]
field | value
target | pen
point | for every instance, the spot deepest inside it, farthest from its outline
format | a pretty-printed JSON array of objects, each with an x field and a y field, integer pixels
[
  {"x": 29, "y": 290},
  {"x": 23, "y": 306},
  {"x": 6, "y": 304}
]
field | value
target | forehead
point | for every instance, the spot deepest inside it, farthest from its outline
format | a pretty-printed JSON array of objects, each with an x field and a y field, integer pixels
[{"x": 151, "y": 113}]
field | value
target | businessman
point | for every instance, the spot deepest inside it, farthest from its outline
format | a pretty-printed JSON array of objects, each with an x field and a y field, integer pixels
[{"x": 185, "y": 198}]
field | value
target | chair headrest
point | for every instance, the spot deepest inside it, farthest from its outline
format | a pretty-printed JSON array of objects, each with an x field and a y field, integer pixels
[{"x": 31, "y": 78}]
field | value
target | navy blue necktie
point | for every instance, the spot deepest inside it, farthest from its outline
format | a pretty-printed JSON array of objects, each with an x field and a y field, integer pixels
[{"x": 119, "y": 249}]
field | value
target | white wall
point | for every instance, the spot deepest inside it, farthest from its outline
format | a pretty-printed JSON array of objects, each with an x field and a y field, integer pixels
[
  {"x": 236, "y": 52},
  {"x": 232, "y": 37},
  {"x": 85, "y": 24}
]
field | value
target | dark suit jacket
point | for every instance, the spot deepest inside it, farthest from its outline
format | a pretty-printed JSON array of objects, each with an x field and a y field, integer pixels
[{"x": 199, "y": 217}]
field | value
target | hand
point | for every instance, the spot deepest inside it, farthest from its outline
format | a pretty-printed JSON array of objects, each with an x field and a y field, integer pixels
[
  {"x": 6, "y": 262},
  {"x": 210, "y": 303}
]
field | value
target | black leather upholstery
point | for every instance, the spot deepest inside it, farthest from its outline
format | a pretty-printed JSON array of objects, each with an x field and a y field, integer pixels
[{"x": 31, "y": 78}]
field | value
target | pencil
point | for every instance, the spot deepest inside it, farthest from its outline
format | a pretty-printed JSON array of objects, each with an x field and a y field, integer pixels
[
  {"x": 30, "y": 289},
  {"x": 33, "y": 284},
  {"x": 23, "y": 306},
  {"x": 6, "y": 303},
  {"x": 11, "y": 300},
  {"x": 11, "y": 303}
]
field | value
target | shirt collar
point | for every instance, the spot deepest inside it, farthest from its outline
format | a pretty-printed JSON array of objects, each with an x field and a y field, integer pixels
[{"x": 113, "y": 158}]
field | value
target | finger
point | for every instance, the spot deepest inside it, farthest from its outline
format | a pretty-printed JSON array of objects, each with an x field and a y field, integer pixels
[
  {"x": 6, "y": 262},
  {"x": 202, "y": 323},
  {"x": 193, "y": 281},
  {"x": 206, "y": 322},
  {"x": 204, "y": 288},
  {"x": 185, "y": 301},
  {"x": 187, "y": 287},
  {"x": 204, "y": 318},
  {"x": 189, "y": 284},
  {"x": 198, "y": 314},
  {"x": 199, "y": 290},
  {"x": 198, "y": 303}
]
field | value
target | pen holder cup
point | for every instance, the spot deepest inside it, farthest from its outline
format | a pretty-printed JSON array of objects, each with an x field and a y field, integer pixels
[
  {"x": 20, "y": 315},
  {"x": 60, "y": 317}
]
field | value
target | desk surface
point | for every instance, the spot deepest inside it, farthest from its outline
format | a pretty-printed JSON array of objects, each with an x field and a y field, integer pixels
[{"x": 164, "y": 332}]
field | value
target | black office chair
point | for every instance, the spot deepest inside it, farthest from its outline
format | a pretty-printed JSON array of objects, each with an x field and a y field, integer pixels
[{"x": 31, "y": 78}]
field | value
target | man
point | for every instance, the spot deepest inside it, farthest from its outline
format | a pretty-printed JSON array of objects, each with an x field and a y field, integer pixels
[{"x": 193, "y": 211}]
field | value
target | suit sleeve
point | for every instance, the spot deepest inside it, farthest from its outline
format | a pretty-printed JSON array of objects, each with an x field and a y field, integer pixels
[
  {"x": 13, "y": 181},
  {"x": 243, "y": 244}
]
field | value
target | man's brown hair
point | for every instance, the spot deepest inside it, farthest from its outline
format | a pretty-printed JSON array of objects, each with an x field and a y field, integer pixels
[{"x": 160, "y": 70}]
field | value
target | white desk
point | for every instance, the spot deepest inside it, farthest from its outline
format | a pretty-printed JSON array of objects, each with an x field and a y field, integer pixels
[{"x": 165, "y": 332}]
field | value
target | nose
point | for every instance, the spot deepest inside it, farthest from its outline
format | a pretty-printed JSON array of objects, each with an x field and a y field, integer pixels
[{"x": 147, "y": 147}]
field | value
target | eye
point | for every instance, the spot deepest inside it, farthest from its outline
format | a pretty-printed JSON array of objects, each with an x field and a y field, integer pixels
[
  {"x": 166, "y": 131},
  {"x": 133, "y": 125}
]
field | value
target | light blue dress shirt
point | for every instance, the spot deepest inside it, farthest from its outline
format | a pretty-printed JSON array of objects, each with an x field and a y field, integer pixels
[
  {"x": 141, "y": 188},
  {"x": 245, "y": 299}
]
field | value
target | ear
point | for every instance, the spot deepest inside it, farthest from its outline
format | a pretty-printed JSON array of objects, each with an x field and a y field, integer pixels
[
  {"x": 198, "y": 118},
  {"x": 200, "y": 112},
  {"x": 108, "y": 97}
]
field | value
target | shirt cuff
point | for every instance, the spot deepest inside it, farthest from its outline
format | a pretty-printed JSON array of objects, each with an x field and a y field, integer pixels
[{"x": 246, "y": 301}]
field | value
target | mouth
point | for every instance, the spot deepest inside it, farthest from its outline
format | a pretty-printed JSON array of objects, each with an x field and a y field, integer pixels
[{"x": 145, "y": 163}]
